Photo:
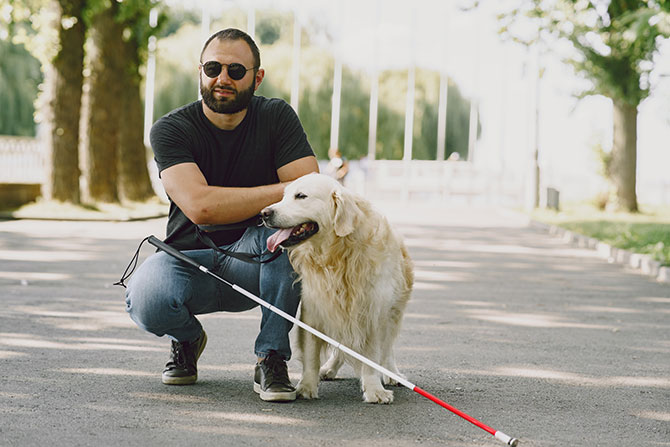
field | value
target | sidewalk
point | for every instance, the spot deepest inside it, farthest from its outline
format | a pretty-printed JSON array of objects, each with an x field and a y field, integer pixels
[{"x": 539, "y": 339}]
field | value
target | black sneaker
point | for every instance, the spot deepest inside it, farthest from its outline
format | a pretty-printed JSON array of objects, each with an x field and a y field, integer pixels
[
  {"x": 271, "y": 379},
  {"x": 182, "y": 368}
]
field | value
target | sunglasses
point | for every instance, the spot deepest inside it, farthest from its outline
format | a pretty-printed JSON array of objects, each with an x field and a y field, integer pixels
[{"x": 235, "y": 71}]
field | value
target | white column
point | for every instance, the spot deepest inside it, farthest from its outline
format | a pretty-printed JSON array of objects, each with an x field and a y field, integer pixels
[
  {"x": 374, "y": 106},
  {"x": 409, "y": 114},
  {"x": 205, "y": 23},
  {"x": 472, "y": 132},
  {"x": 251, "y": 22},
  {"x": 374, "y": 91},
  {"x": 150, "y": 81},
  {"x": 295, "y": 68},
  {"x": 337, "y": 93},
  {"x": 442, "y": 117}
]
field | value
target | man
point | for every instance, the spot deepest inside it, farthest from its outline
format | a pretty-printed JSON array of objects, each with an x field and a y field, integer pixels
[{"x": 221, "y": 161}]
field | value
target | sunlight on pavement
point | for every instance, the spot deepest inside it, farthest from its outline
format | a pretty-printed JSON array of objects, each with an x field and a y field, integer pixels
[
  {"x": 531, "y": 320},
  {"x": 473, "y": 303},
  {"x": 107, "y": 372},
  {"x": 428, "y": 286},
  {"x": 10, "y": 354},
  {"x": 91, "y": 320},
  {"x": 181, "y": 398},
  {"x": 44, "y": 256},
  {"x": 446, "y": 264},
  {"x": 232, "y": 367},
  {"x": 654, "y": 415},
  {"x": 605, "y": 309},
  {"x": 428, "y": 275},
  {"x": 253, "y": 418},
  {"x": 421, "y": 316},
  {"x": 653, "y": 299},
  {"x": 35, "y": 276},
  {"x": 568, "y": 378},
  {"x": 31, "y": 341}
]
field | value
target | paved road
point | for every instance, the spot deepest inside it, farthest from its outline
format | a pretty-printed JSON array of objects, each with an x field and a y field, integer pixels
[{"x": 540, "y": 340}]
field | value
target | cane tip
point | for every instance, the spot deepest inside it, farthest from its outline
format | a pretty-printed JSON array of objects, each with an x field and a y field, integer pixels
[{"x": 513, "y": 442}]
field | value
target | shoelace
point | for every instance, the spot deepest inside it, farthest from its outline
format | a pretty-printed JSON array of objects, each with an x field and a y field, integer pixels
[
  {"x": 278, "y": 368},
  {"x": 178, "y": 355}
]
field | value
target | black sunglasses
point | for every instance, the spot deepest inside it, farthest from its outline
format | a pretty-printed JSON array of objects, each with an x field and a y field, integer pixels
[{"x": 235, "y": 71}]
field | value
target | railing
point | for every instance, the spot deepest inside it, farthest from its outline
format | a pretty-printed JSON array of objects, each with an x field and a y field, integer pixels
[
  {"x": 22, "y": 160},
  {"x": 446, "y": 181}
]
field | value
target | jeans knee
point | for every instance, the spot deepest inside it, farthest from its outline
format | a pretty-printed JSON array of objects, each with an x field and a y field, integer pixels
[
  {"x": 142, "y": 308},
  {"x": 152, "y": 300}
]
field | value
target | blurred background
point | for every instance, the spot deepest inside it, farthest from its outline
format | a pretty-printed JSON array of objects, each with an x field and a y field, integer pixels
[{"x": 513, "y": 102}]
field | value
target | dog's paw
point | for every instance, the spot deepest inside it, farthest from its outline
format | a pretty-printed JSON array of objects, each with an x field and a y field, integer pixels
[
  {"x": 307, "y": 391},
  {"x": 327, "y": 373},
  {"x": 378, "y": 396}
]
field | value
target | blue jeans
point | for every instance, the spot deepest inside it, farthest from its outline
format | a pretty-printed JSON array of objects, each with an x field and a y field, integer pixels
[{"x": 165, "y": 294}]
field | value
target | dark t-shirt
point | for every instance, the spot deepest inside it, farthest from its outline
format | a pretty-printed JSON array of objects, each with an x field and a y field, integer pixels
[{"x": 269, "y": 136}]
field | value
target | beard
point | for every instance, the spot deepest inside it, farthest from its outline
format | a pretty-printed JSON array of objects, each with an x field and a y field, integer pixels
[{"x": 231, "y": 105}]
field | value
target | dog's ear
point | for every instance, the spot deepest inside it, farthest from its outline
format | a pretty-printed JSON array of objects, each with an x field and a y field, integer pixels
[{"x": 346, "y": 212}]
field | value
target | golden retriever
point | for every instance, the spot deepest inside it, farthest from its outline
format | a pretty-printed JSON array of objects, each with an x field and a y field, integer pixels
[{"x": 356, "y": 279}]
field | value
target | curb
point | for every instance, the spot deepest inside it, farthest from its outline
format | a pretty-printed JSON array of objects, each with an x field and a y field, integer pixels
[{"x": 644, "y": 264}]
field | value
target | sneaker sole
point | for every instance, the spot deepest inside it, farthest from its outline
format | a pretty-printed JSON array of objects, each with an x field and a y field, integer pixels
[
  {"x": 285, "y": 396},
  {"x": 186, "y": 380}
]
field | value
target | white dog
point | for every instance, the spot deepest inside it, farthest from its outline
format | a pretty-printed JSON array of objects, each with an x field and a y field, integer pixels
[{"x": 356, "y": 279}]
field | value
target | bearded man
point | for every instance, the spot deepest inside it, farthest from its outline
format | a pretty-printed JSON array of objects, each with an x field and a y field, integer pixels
[{"x": 222, "y": 160}]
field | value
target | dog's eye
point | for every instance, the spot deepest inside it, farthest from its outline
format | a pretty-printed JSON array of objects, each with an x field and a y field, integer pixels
[{"x": 299, "y": 196}]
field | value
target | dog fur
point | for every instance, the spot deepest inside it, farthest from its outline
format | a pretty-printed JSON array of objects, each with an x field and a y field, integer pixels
[{"x": 356, "y": 279}]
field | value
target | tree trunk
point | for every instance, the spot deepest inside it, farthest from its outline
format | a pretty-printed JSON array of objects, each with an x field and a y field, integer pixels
[
  {"x": 134, "y": 181},
  {"x": 66, "y": 103},
  {"x": 105, "y": 107},
  {"x": 623, "y": 168}
]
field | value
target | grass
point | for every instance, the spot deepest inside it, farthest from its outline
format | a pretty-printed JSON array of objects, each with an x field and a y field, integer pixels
[
  {"x": 53, "y": 210},
  {"x": 647, "y": 232}
]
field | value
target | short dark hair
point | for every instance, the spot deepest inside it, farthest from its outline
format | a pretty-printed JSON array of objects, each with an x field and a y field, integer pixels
[{"x": 235, "y": 34}]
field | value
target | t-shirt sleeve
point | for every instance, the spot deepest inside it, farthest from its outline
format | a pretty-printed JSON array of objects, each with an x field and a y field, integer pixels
[
  {"x": 291, "y": 140},
  {"x": 170, "y": 144}
]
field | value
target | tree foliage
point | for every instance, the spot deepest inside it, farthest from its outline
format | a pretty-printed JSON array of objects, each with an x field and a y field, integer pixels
[
  {"x": 20, "y": 76},
  {"x": 177, "y": 85},
  {"x": 616, "y": 43}
]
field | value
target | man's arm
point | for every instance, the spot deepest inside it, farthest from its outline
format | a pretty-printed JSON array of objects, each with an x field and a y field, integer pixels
[{"x": 216, "y": 205}]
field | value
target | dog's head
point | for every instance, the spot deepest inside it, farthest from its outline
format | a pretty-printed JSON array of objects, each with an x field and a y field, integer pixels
[{"x": 314, "y": 204}]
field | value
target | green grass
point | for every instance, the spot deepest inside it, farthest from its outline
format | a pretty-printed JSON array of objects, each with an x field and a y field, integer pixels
[{"x": 647, "y": 232}]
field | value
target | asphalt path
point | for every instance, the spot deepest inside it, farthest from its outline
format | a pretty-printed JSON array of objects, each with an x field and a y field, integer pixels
[{"x": 543, "y": 341}]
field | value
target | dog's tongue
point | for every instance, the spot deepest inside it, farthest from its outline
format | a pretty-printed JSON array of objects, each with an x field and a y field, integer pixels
[{"x": 277, "y": 238}]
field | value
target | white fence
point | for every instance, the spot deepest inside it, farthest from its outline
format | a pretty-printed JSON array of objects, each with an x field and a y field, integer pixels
[
  {"x": 22, "y": 160},
  {"x": 441, "y": 181}
]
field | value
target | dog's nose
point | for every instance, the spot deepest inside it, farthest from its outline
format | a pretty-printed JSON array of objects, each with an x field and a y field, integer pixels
[{"x": 266, "y": 213}]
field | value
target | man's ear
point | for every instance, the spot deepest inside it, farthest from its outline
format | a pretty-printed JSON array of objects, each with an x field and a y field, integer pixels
[
  {"x": 260, "y": 74},
  {"x": 346, "y": 213}
]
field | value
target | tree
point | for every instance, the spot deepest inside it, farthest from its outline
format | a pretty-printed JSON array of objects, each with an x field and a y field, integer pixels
[
  {"x": 117, "y": 164},
  {"x": 67, "y": 80},
  {"x": 134, "y": 181},
  {"x": 104, "y": 103},
  {"x": 616, "y": 42}
]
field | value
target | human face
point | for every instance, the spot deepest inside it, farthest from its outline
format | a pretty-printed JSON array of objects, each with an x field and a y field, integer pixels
[{"x": 222, "y": 94}]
